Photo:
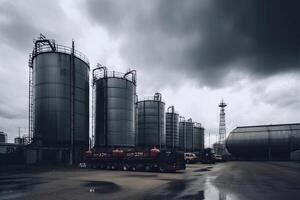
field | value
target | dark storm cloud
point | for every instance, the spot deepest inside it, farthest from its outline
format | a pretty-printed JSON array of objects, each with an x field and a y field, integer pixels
[
  {"x": 15, "y": 29},
  {"x": 204, "y": 39}
]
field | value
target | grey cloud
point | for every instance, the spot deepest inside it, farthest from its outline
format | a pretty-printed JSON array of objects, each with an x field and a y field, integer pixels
[
  {"x": 204, "y": 39},
  {"x": 21, "y": 22},
  {"x": 15, "y": 29}
]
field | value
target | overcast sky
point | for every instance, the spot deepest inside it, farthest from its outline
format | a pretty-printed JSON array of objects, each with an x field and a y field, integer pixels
[{"x": 194, "y": 52}]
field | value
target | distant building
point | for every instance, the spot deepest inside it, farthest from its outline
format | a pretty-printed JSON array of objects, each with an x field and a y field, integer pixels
[
  {"x": 3, "y": 137},
  {"x": 11, "y": 154},
  {"x": 264, "y": 142}
]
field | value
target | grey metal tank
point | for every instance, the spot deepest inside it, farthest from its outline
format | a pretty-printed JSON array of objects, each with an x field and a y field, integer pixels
[
  {"x": 172, "y": 128},
  {"x": 114, "y": 108},
  {"x": 198, "y": 137},
  {"x": 3, "y": 137},
  {"x": 186, "y": 136},
  {"x": 59, "y": 116},
  {"x": 265, "y": 142},
  {"x": 151, "y": 122}
]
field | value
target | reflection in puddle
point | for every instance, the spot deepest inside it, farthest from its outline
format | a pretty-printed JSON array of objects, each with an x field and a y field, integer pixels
[
  {"x": 213, "y": 193},
  {"x": 203, "y": 189}
]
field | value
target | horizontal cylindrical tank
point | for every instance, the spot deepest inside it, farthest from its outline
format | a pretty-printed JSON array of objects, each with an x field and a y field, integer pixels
[
  {"x": 172, "y": 128},
  {"x": 60, "y": 97},
  {"x": 114, "y": 109},
  {"x": 151, "y": 122},
  {"x": 266, "y": 142},
  {"x": 186, "y": 136},
  {"x": 198, "y": 137}
]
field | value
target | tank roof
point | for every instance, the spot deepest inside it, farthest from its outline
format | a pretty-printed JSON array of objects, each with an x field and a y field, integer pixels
[
  {"x": 113, "y": 74},
  {"x": 268, "y": 125},
  {"x": 45, "y": 45},
  {"x": 155, "y": 97}
]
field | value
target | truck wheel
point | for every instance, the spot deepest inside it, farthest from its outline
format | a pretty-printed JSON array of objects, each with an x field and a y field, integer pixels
[
  {"x": 125, "y": 168},
  {"x": 133, "y": 168}
]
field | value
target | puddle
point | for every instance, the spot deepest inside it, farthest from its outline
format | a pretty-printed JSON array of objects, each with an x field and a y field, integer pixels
[
  {"x": 207, "y": 192},
  {"x": 11, "y": 187},
  {"x": 202, "y": 170},
  {"x": 198, "y": 189},
  {"x": 142, "y": 175},
  {"x": 167, "y": 179},
  {"x": 102, "y": 187}
]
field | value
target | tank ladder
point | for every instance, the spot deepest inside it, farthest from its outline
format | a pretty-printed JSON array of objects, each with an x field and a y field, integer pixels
[{"x": 31, "y": 103}]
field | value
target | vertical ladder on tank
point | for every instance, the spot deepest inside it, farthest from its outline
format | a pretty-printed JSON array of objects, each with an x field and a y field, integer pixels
[
  {"x": 93, "y": 115},
  {"x": 72, "y": 103},
  {"x": 31, "y": 104}
]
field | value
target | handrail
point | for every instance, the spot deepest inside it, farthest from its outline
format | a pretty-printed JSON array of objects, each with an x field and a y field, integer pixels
[
  {"x": 149, "y": 98},
  {"x": 99, "y": 68},
  {"x": 133, "y": 74},
  {"x": 197, "y": 125},
  {"x": 114, "y": 74},
  {"x": 57, "y": 48}
]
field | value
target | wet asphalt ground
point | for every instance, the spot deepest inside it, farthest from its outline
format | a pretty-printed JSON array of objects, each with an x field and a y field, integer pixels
[{"x": 230, "y": 181}]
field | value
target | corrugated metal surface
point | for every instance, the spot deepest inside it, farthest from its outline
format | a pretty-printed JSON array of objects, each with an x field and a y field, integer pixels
[
  {"x": 264, "y": 142},
  {"x": 151, "y": 123},
  {"x": 53, "y": 99},
  {"x": 172, "y": 129},
  {"x": 186, "y": 136},
  {"x": 198, "y": 138},
  {"x": 59, "y": 93},
  {"x": 115, "y": 112},
  {"x": 3, "y": 137}
]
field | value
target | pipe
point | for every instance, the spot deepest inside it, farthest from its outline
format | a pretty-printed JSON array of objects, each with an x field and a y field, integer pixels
[
  {"x": 43, "y": 41},
  {"x": 171, "y": 108},
  {"x": 157, "y": 96},
  {"x": 133, "y": 74},
  {"x": 99, "y": 67}
]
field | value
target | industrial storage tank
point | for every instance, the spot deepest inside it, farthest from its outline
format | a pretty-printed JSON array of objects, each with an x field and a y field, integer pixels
[
  {"x": 3, "y": 137},
  {"x": 198, "y": 137},
  {"x": 115, "y": 95},
  {"x": 186, "y": 135},
  {"x": 59, "y": 101},
  {"x": 151, "y": 122},
  {"x": 172, "y": 128},
  {"x": 265, "y": 142}
]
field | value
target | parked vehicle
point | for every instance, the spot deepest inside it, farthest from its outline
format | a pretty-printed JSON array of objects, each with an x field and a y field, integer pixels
[
  {"x": 153, "y": 160},
  {"x": 218, "y": 158},
  {"x": 207, "y": 156},
  {"x": 190, "y": 158}
]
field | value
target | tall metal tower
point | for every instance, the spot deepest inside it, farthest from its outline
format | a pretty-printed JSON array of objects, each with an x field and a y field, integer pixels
[{"x": 222, "y": 125}]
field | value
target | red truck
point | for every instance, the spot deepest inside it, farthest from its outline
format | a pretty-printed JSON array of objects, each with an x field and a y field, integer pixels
[{"x": 153, "y": 160}]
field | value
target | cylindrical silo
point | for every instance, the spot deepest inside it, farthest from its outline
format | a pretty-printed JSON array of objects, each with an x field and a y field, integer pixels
[
  {"x": 151, "y": 122},
  {"x": 60, "y": 99},
  {"x": 198, "y": 137},
  {"x": 3, "y": 137},
  {"x": 114, "y": 109},
  {"x": 172, "y": 128},
  {"x": 186, "y": 136}
]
